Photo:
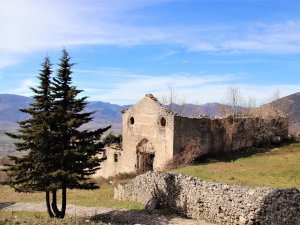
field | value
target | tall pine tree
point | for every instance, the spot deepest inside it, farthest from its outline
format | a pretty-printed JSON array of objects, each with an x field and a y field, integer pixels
[
  {"x": 60, "y": 155},
  {"x": 75, "y": 150},
  {"x": 32, "y": 172}
]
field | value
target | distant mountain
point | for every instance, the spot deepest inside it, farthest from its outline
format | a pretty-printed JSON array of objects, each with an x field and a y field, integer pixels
[
  {"x": 105, "y": 113},
  {"x": 10, "y": 105},
  {"x": 290, "y": 105},
  {"x": 110, "y": 114},
  {"x": 191, "y": 110}
]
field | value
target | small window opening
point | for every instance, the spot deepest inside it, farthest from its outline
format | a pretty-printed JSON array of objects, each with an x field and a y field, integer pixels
[
  {"x": 131, "y": 120},
  {"x": 116, "y": 157},
  {"x": 104, "y": 156},
  {"x": 163, "y": 122}
]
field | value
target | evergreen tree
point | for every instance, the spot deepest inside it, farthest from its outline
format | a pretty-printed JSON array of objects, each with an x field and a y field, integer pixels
[
  {"x": 60, "y": 156},
  {"x": 32, "y": 171},
  {"x": 73, "y": 149}
]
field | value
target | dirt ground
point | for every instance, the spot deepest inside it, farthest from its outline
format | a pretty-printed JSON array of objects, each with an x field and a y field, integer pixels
[{"x": 108, "y": 215}]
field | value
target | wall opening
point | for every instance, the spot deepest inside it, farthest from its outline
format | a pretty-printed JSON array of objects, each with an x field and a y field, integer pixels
[
  {"x": 131, "y": 120},
  {"x": 145, "y": 162},
  {"x": 163, "y": 122},
  {"x": 116, "y": 157},
  {"x": 145, "y": 156}
]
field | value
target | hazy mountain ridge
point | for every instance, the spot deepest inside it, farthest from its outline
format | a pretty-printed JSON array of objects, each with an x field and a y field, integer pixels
[
  {"x": 110, "y": 114},
  {"x": 105, "y": 113},
  {"x": 290, "y": 105}
]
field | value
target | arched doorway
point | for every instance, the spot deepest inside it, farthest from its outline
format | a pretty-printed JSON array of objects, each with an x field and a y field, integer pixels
[{"x": 145, "y": 156}]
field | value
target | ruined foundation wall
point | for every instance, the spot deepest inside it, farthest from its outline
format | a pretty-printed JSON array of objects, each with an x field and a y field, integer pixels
[
  {"x": 215, "y": 135},
  {"x": 113, "y": 164},
  {"x": 215, "y": 202}
]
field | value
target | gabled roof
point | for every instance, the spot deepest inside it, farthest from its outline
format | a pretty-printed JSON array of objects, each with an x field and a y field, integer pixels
[{"x": 155, "y": 101}]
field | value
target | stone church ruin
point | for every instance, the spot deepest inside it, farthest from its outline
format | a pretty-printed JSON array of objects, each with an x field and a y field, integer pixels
[{"x": 153, "y": 135}]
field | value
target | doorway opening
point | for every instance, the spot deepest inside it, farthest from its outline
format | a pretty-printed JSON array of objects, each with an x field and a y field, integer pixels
[{"x": 145, "y": 156}]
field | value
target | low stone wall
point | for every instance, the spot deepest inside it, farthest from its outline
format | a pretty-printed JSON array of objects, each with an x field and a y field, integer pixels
[{"x": 214, "y": 202}]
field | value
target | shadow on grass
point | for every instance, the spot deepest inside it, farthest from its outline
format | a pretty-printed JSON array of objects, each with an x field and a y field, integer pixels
[
  {"x": 234, "y": 155},
  {"x": 132, "y": 217},
  {"x": 4, "y": 205}
]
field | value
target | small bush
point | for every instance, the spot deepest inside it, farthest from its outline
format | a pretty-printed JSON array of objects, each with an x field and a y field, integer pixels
[
  {"x": 4, "y": 178},
  {"x": 5, "y": 160},
  {"x": 187, "y": 156},
  {"x": 112, "y": 139}
]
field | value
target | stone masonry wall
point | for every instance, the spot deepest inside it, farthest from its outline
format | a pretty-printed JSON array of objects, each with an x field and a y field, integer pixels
[
  {"x": 147, "y": 115},
  {"x": 215, "y": 202},
  {"x": 216, "y": 135}
]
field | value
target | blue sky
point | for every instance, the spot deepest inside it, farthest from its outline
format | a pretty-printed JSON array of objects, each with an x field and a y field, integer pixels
[{"x": 127, "y": 48}]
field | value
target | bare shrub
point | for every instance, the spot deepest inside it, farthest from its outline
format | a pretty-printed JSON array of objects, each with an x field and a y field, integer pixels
[
  {"x": 4, "y": 178},
  {"x": 120, "y": 178},
  {"x": 190, "y": 153},
  {"x": 5, "y": 160}
]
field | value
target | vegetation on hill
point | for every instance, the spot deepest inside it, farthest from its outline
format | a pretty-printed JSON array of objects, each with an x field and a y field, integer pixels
[{"x": 291, "y": 106}]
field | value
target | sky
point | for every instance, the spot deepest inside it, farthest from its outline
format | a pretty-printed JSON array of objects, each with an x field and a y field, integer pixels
[{"x": 124, "y": 49}]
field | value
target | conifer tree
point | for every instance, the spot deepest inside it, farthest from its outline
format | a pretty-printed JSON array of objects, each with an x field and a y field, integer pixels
[
  {"x": 73, "y": 149},
  {"x": 32, "y": 171},
  {"x": 60, "y": 155}
]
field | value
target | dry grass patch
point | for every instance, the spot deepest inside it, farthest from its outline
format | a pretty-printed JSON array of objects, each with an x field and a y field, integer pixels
[
  {"x": 37, "y": 218},
  {"x": 102, "y": 197}
]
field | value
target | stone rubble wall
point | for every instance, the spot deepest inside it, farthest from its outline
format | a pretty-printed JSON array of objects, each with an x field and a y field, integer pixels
[{"x": 214, "y": 202}]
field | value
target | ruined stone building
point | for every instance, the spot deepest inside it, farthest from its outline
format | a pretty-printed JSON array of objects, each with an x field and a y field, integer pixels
[{"x": 152, "y": 135}]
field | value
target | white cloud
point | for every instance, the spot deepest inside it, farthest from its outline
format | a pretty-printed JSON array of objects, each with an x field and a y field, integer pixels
[
  {"x": 201, "y": 94},
  {"x": 126, "y": 91},
  {"x": 164, "y": 55},
  {"x": 28, "y": 26},
  {"x": 193, "y": 88},
  {"x": 24, "y": 88}
]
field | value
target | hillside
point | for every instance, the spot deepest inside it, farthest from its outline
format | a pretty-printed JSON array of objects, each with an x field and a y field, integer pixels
[
  {"x": 105, "y": 114},
  {"x": 290, "y": 105}
]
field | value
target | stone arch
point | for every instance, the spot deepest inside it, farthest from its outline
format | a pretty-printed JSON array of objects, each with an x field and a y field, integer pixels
[{"x": 145, "y": 156}]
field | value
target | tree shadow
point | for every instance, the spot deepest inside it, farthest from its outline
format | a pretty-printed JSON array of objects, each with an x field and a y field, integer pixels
[
  {"x": 279, "y": 207},
  {"x": 237, "y": 154},
  {"x": 132, "y": 217},
  {"x": 167, "y": 207},
  {"x": 4, "y": 205},
  {"x": 168, "y": 196}
]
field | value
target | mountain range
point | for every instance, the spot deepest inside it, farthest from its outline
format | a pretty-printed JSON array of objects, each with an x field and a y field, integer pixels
[{"x": 110, "y": 114}]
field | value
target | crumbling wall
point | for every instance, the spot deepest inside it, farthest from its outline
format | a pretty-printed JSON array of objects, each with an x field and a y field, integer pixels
[
  {"x": 113, "y": 163},
  {"x": 215, "y": 135},
  {"x": 215, "y": 202},
  {"x": 188, "y": 129}
]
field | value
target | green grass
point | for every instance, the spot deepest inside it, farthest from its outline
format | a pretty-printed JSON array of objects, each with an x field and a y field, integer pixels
[
  {"x": 37, "y": 218},
  {"x": 102, "y": 197},
  {"x": 279, "y": 168}
]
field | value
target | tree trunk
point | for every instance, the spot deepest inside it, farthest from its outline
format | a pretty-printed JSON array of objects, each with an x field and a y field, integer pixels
[
  {"x": 64, "y": 201},
  {"x": 59, "y": 213},
  {"x": 54, "y": 204},
  {"x": 49, "y": 210}
]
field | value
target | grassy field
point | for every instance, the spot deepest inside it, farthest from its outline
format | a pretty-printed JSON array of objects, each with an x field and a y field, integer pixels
[
  {"x": 278, "y": 167},
  {"x": 102, "y": 197}
]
